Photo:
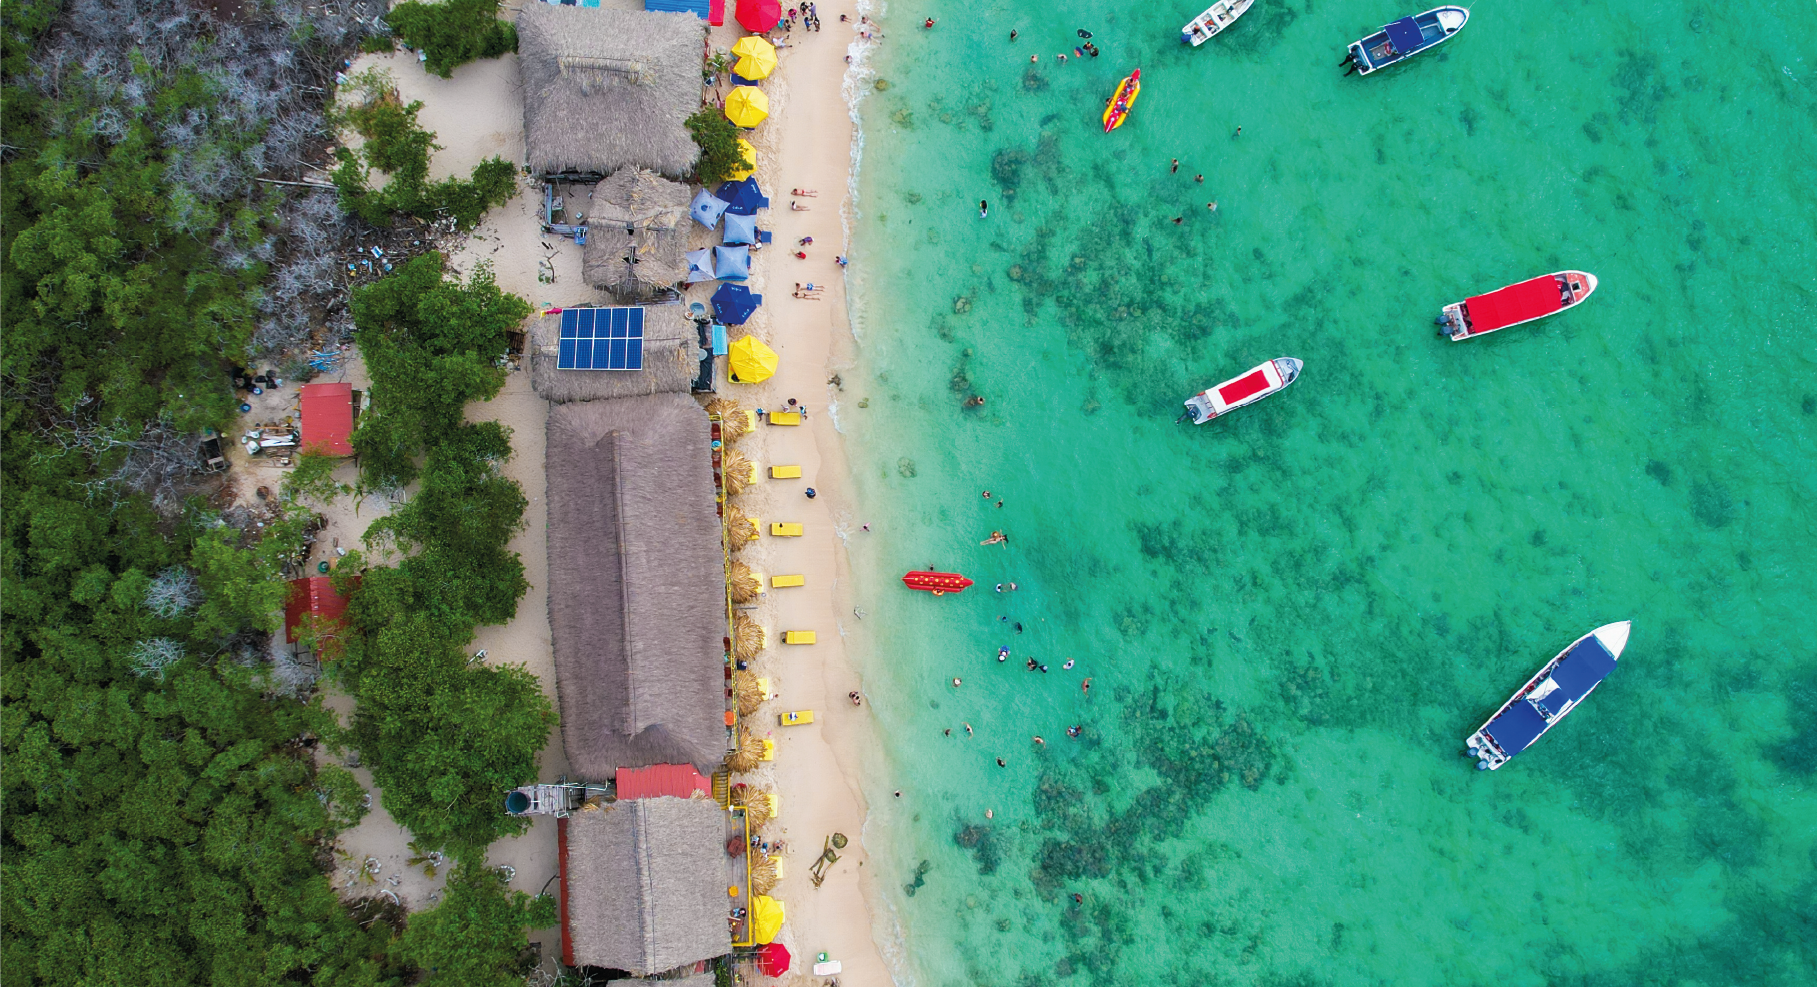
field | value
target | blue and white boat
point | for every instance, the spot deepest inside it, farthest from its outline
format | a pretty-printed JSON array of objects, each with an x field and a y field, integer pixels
[
  {"x": 1548, "y": 697},
  {"x": 1404, "y": 39}
]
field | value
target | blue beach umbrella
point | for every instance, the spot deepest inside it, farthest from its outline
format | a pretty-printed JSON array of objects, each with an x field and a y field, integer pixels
[
  {"x": 707, "y": 208},
  {"x": 740, "y": 229},
  {"x": 700, "y": 265},
  {"x": 734, "y": 303},
  {"x": 743, "y": 198},
  {"x": 732, "y": 263}
]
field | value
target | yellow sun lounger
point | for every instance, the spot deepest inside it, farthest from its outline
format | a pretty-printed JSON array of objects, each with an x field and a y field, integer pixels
[
  {"x": 785, "y": 472},
  {"x": 785, "y": 529},
  {"x": 797, "y": 718},
  {"x": 781, "y": 581},
  {"x": 797, "y": 637},
  {"x": 769, "y": 750},
  {"x": 785, "y": 417}
]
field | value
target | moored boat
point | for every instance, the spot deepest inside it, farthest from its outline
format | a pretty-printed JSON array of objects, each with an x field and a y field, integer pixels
[
  {"x": 1116, "y": 109},
  {"x": 1548, "y": 697},
  {"x": 1246, "y": 388},
  {"x": 1216, "y": 18},
  {"x": 1404, "y": 39},
  {"x": 1524, "y": 301}
]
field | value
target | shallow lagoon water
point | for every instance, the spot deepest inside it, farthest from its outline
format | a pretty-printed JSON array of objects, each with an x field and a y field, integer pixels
[{"x": 1292, "y": 616}]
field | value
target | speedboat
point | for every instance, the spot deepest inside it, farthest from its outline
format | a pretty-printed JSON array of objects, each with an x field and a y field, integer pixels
[
  {"x": 1216, "y": 18},
  {"x": 1248, "y": 387},
  {"x": 1116, "y": 109},
  {"x": 1404, "y": 39},
  {"x": 1536, "y": 298},
  {"x": 1561, "y": 685}
]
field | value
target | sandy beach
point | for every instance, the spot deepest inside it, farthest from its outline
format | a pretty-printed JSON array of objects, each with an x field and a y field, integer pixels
[{"x": 806, "y": 144}]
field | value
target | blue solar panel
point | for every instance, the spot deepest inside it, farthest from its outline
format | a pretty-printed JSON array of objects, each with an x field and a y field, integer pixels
[{"x": 601, "y": 339}]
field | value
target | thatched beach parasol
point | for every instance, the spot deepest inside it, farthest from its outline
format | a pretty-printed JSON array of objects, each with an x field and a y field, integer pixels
[
  {"x": 759, "y": 809},
  {"x": 747, "y": 636},
  {"x": 748, "y": 755},
  {"x": 763, "y": 874},
  {"x": 738, "y": 471},
  {"x": 745, "y": 690},
  {"x": 734, "y": 421},
  {"x": 746, "y": 585},
  {"x": 740, "y": 530}
]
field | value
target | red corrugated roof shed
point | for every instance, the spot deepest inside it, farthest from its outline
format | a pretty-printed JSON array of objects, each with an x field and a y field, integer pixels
[
  {"x": 311, "y": 596},
  {"x": 328, "y": 418},
  {"x": 679, "y": 780}
]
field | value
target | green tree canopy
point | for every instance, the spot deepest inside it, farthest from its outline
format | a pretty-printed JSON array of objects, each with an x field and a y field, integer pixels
[
  {"x": 475, "y": 937},
  {"x": 454, "y": 32}
]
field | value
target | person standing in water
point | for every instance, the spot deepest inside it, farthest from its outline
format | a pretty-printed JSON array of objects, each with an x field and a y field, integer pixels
[{"x": 984, "y": 208}]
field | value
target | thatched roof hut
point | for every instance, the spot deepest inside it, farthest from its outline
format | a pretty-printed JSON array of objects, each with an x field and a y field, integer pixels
[
  {"x": 637, "y": 235},
  {"x": 609, "y": 89},
  {"x": 636, "y": 585},
  {"x": 671, "y": 360},
  {"x": 644, "y": 883}
]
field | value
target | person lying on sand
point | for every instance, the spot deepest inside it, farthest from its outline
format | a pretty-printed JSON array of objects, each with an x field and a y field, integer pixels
[
  {"x": 798, "y": 207},
  {"x": 814, "y": 298},
  {"x": 803, "y": 191}
]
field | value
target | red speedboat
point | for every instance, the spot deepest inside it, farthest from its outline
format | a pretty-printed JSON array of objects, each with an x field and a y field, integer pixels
[
  {"x": 937, "y": 583},
  {"x": 1480, "y": 315}
]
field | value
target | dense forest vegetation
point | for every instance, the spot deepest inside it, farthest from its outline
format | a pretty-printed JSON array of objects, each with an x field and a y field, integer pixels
[{"x": 166, "y": 818}]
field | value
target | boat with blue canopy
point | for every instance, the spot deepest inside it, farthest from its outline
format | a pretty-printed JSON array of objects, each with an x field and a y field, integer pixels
[
  {"x": 1559, "y": 687},
  {"x": 1404, "y": 39}
]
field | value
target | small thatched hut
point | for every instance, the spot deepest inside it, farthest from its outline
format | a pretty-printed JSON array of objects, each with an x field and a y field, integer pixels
[
  {"x": 609, "y": 89},
  {"x": 671, "y": 360},
  {"x": 636, "y": 585},
  {"x": 637, "y": 236},
  {"x": 644, "y": 885}
]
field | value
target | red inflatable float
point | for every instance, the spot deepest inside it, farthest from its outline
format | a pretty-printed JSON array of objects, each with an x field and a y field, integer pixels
[{"x": 937, "y": 583}]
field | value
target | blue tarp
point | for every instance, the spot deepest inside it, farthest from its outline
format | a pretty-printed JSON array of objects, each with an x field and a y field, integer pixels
[
  {"x": 734, "y": 303},
  {"x": 1406, "y": 36},
  {"x": 745, "y": 197},
  {"x": 699, "y": 8},
  {"x": 740, "y": 229},
  {"x": 719, "y": 340},
  {"x": 732, "y": 263},
  {"x": 1555, "y": 702},
  {"x": 1585, "y": 666},
  {"x": 707, "y": 208},
  {"x": 1516, "y": 728},
  {"x": 700, "y": 265}
]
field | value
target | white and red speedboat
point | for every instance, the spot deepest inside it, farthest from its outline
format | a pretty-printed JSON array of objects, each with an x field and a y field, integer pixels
[
  {"x": 1247, "y": 387},
  {"x": 1548, "y": 697},
  {"x": 1480, "y": 315}
]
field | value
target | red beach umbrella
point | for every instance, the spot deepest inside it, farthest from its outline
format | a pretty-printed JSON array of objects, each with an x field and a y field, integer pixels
[
  {"x": 759, "y": 15},
  {"x": 773, "y": 959}
]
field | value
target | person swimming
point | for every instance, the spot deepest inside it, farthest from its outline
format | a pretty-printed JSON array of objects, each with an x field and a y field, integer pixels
[{"x": 1003, "y": 653}]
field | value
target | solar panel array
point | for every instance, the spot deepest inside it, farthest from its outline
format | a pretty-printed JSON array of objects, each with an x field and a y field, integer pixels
[{"x": 602, "y": 339}]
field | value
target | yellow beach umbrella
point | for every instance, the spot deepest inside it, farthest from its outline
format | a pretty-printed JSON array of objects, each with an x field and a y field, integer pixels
[
  {"x": 766, "y": 919},
  {"x": 749, "y": 154},
  {"x": 751, "y": 361},
  {"x": 756, "y": 57},
  {"x": 747, "y": 106}
]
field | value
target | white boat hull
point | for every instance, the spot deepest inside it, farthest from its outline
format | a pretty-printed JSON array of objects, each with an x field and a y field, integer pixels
[
  {"x": 1244, "y": 389},
  {"x": 1546, "y": 699},
  {"x": 1213, "y": 21}
]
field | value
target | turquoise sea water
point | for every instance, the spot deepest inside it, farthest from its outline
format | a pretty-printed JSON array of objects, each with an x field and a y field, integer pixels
[{"x": 1292, "y": 616}]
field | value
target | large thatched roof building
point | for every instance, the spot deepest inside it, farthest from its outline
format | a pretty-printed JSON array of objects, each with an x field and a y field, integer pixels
[
  {"x": 644, "y": 885},
  {"x": 671, "y": 351},
  {"x": 609, "y": 89},
  {"x": 636, "y": 585},
  {"x": 637, "y": 235}
]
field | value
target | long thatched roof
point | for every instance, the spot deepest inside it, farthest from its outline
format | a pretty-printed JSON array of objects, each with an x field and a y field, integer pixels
[
  {"x": 646, "y": 884},
  {"x": 671, "y": 360},
  {"x": 636, "y": 585},
  {"x": 609, "y": 89}
]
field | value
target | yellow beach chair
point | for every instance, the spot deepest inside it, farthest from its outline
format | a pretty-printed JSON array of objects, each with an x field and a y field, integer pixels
[
  {"x": 785, "y": 529},
  {"x": 785, "y": 472},
  {"x": 797, "y": 718},
  {"x": 781, "y": 581},
  {"x": 798, "y": 637},
  {"x": 769, "y": 750},
  {"x": 785, "y": 417},
  {"x": 763, "y": 688}
]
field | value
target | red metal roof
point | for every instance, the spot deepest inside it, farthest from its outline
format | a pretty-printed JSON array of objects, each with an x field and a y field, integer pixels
[
  {"x": 679, "y": 780},
  {"x": 328, "y": 418},
  {"x": 1515, "y": 303},
  {"x": 1244, "y": 387},
  {"x": 312, "y": 596}
]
